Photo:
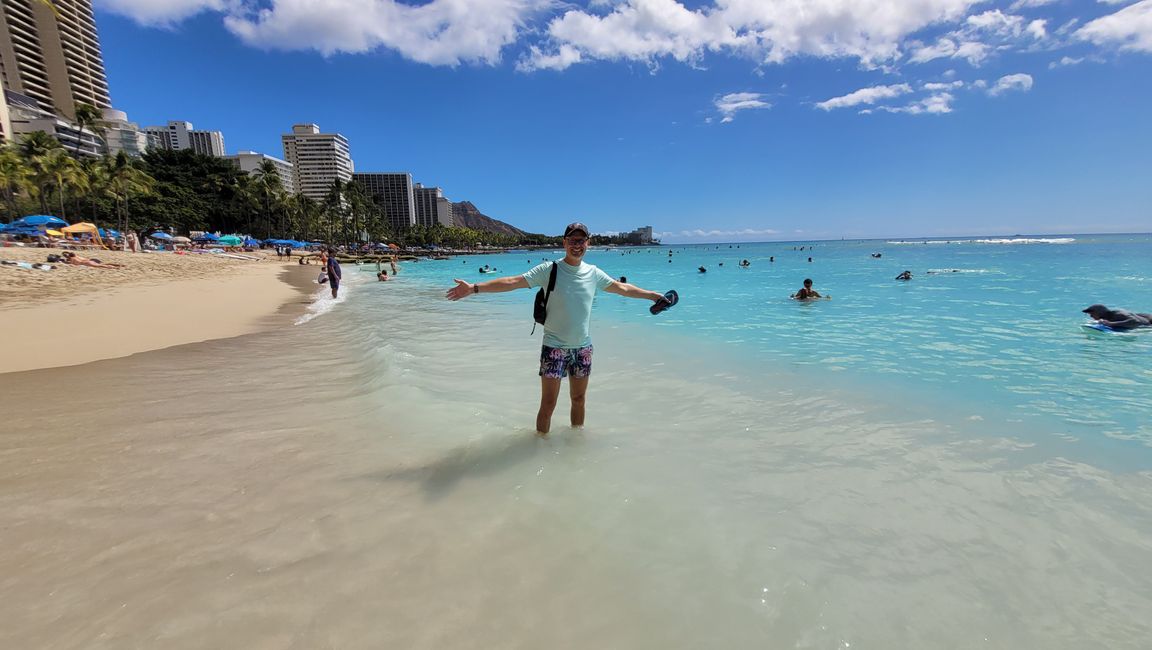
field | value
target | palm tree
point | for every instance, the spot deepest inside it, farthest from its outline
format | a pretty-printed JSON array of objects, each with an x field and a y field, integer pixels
[
  {"x": 269, "y": 191},
  {"x": 88, "y": 117},
  {"x": 334, "y": 207},
  {"x": 96, "y": 172},
  {"x": 15, "y": 177},
  {"x": 35, "y": 148},
  {"x": 63, "y": 172},
  {"x": 358, "y": 205},
  {"x": 124, "y": 182}
]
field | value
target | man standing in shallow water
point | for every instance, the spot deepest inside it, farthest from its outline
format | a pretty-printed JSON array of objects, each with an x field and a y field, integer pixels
[{"x": 567, "y": 349}]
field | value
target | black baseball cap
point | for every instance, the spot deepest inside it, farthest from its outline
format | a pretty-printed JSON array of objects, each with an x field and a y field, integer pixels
[{"x": 576, "y": 226}]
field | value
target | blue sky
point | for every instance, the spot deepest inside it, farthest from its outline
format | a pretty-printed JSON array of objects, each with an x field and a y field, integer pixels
[{"x": 726, "y": 120}]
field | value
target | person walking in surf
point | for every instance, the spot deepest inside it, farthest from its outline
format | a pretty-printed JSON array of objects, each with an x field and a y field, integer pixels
[{"x": 567, "y": 349}]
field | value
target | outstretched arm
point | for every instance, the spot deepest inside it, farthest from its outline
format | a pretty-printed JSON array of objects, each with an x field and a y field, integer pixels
[
  {"x": 632, "y": 291},
  {"x": 1127, "y": 323},
  {"x": 463, "y": 288}
]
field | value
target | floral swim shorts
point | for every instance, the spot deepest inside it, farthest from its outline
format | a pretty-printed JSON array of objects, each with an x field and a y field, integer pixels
[{"x": 557, "y": 363}]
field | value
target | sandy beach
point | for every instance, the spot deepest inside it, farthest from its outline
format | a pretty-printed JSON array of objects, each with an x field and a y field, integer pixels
[{"x": 75, "y": 314}]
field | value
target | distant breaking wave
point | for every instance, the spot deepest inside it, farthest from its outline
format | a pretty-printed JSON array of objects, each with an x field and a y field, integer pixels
[{"x": 1010, "y": 240}]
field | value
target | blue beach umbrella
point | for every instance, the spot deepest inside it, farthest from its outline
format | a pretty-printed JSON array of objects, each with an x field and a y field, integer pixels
[
  {"x": 40, "y": 220},
  {"x": 206, "y": 237},
  {"x": 160, "y": 235},
  {"x": 251, "y": 242}
]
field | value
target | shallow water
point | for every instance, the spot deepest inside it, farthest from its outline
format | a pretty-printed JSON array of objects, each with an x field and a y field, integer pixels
[{"x": 369, "y": 478}]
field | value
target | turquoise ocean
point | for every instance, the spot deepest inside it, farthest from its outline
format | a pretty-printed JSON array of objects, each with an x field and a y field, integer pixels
[{"x": 948, "y": 462}]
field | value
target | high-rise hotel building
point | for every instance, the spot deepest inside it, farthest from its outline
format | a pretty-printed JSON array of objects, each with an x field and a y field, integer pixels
[
  {"x": 251, "y": 162},
  {"x": 54, "y": 58},
  {"x": 393, "y": 193},
  {"x": 180, "y": 135},
  {"x": 317, "y": 159},
  {"x": 432, "y": 207}
]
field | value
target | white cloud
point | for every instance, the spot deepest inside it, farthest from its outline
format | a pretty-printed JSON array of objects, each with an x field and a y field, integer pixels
[
  {"x": 1065, "y": 61},
  {"x": 944, "y": 48},
  {"x": 730, "y": 104},
  {"x": 1029, "y": 4},
  {"x": 978, "y": 37},
  {"x": 1067, "y": 27},
  {"x": 642, "y": 30},
  {"x": 937, "y": 104},
  {"x": 944, "y": 86},
  {"x": 865, "y": 96},
  {"x": 973, "y": 51},
  {"x": 160, "y": 12},
  {"x": 1129, "y": 29},
  {"x": 1021, "y": 82},
  {"x": 564, "y": 57},
  {"x": 441, "y": 32}
]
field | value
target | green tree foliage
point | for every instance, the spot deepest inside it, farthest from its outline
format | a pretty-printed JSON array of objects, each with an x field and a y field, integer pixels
[{"x": 185, "y": 191}]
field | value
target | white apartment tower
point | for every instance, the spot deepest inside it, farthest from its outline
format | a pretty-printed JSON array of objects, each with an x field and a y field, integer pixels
[
  {"x": 250, "y": 162},
  {"x": 52, "y": 57},
  {"x": 317, "y": 159},
  {"x": 122, "y": 135},
  {"x": 180, "y": 135}
]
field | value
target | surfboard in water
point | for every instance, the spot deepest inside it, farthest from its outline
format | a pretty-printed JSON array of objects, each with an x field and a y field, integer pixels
[{"x": 1101, "y": 328}]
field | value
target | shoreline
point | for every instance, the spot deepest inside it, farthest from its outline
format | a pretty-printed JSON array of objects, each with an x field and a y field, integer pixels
[{"x": 71, "y": 328}]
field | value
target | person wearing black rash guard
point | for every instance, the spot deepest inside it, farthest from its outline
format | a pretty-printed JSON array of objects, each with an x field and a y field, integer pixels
[{"x": 1118, "y": 319}]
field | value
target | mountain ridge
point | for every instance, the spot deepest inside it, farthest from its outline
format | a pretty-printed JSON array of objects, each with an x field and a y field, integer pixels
[{"x": 467, "y": 215}]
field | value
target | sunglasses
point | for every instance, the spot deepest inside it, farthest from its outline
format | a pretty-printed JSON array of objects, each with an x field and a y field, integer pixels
[{"x": 572, "y": 241}]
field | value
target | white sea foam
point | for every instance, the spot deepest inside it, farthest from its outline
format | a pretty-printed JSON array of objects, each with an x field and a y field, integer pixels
[
  {"x": 1007, "y": 240},
  {"x": 945, "y": 271},
  {"x": 322, "y": 300}
]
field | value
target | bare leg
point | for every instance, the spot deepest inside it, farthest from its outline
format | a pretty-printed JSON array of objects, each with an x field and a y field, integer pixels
[
  {"x": 549, "y": 392},
  {"x": 577, "y": 389}
]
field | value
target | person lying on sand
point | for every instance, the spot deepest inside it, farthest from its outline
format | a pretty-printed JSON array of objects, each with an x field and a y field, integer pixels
[{"x": 76, "y": 260}]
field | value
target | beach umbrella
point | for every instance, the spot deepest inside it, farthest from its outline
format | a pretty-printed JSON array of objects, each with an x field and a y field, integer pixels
[
  {"x": 180, "y": 240},
  {"x": 160, "y": 235},
  {"x": 205, "y": 237},
  {"x": 251, "y": 242},
  {"x": 230, "y": 240},
  {"x": 54, "y": 233},
  {"x": 41, "y": 220}
]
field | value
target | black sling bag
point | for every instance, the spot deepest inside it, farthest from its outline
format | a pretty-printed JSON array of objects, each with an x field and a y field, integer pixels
[{"x": 540, "y": 309}]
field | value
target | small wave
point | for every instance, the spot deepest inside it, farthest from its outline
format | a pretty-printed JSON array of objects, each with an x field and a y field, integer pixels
[
  {"x": 1008, "y": 240},
  {"x": 943, "y": 271},
  {"x": 1026, "y": 240},
  {"x": 322, "y": 303},
  {"x": 322, "y": 300}
]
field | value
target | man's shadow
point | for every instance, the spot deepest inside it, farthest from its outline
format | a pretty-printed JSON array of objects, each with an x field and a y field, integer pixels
[{"x": 485, "y": 457}]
